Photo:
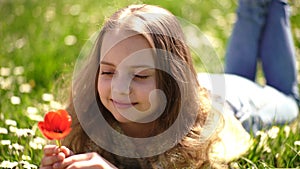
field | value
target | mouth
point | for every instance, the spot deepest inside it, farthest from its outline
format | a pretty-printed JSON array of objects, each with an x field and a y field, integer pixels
[{"x": 122, "y": 105}]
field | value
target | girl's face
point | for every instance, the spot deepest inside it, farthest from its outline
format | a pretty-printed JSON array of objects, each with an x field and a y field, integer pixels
[{"x": 127, "y": 79}]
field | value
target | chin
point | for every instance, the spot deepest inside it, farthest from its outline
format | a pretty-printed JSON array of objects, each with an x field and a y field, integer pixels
[{"x": 121, "y": 119}]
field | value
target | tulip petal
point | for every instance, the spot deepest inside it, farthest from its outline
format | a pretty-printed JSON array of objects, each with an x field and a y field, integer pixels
[
  {"x": 56, "y": 121},
  {"x": 56, "y": 125},
  {"x": 41, "y": 125}
]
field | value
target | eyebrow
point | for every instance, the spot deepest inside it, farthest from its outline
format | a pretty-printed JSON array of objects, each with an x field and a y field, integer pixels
[
  {"x": 106, "y": 63},
  {"x": 134, "y": 66}
]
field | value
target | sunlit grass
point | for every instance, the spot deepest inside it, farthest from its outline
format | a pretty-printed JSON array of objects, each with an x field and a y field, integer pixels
[
  {"x": 40, "y": 41},
  {"x": 21, "y": 109}
]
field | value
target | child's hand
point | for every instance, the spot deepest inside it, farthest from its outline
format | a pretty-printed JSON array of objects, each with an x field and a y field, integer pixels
[
  {"x": 87, "y": 161},
  {"x": 53, "y": 155}
]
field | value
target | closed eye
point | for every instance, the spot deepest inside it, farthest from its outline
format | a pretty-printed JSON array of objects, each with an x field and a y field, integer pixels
[
  {"x": 141, "y": 76},
  {"x": 107, "y": 73}
]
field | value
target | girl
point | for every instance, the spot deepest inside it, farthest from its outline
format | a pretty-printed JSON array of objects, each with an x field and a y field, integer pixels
[{"x": 137, "y": 103}]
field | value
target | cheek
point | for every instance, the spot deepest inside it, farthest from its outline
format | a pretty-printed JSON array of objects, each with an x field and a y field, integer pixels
[
  {"x": 144, "y": 91},
  {"x": 103, "y": 87}
]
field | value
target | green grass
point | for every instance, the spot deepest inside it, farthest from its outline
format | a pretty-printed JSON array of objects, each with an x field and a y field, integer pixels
[{"x": 33, "y": 35}]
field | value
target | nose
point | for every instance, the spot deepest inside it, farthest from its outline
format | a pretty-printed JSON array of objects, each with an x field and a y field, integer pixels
[{"x": 121, "y": 84}]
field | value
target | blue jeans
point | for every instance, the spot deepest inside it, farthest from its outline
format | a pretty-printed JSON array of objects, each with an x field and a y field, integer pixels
[
  {"x": 262, "y": 33},
  {"x": 256, "y": 107}
]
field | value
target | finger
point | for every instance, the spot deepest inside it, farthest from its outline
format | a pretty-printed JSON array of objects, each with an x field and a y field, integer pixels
[
  {"x": 50, "y": 160},
  {"x": 83, "y": 165},
  {"x": 93, "y": 161},
  {"x": 46, "y": 167},
  {"x": 51, "y": 149},
  {"x": 72, "y": 159},
  {"x": 79, "y": 164},
  {"x": 66, "y": 151}
]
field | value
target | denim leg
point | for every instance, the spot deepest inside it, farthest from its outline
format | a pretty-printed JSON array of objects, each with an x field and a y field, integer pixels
[
  {"x": 277, "y": 50},
  {"x": 257, "y": 107},
  {"x": 242, "y": 51}
]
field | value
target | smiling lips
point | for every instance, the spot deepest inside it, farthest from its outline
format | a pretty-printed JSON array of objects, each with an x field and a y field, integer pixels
[{"x": 122, "y": 105}]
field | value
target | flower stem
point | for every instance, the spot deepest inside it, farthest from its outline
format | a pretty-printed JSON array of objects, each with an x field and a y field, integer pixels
[{"x": 58, "y": 142}]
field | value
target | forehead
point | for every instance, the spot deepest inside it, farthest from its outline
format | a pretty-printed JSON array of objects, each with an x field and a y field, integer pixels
[{"x": 118, "y": 45}]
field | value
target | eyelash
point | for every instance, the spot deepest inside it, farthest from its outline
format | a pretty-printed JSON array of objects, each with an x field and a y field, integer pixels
[
  {"x": 141, "y": 76},
  {"x": 107, "y": 73},
  {"x": 135, "y": 76}
]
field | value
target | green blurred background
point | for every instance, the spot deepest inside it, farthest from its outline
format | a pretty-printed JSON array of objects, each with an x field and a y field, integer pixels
[{"x": 45, "y": 38}]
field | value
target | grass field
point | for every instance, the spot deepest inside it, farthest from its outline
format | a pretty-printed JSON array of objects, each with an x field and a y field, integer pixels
[{"x": 40, "y": 42}]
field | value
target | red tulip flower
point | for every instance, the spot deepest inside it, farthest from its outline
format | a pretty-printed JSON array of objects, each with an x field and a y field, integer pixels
[{"x": 56, "y": 125}]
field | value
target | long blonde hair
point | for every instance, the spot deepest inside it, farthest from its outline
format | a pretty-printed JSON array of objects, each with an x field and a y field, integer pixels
[{"x": 164, "y": 33}]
